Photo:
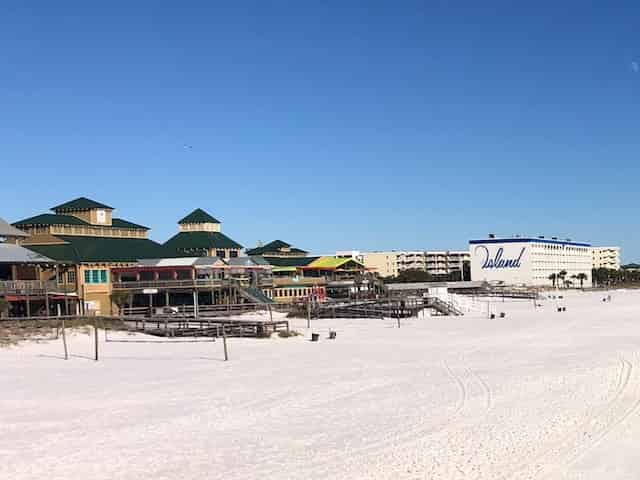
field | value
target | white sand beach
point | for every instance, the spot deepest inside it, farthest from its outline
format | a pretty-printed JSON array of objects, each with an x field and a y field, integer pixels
[{"x": 537, "y": 394}]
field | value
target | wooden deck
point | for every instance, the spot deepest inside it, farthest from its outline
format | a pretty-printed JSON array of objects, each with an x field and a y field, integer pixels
[{"x": 190, "y": 326}]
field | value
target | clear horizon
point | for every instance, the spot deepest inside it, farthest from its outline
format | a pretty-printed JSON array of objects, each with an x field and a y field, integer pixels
[{"x": 341, "y": 126}]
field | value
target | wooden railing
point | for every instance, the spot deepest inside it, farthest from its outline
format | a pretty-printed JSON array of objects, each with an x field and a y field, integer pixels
[
  {"x": 27, "y": 287},
  {"x": 186, "y": 283},
  {"x": 303, "y": 282}
]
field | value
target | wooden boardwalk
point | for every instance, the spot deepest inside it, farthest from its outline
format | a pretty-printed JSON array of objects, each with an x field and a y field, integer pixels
[{"x": 191, "y": 326}]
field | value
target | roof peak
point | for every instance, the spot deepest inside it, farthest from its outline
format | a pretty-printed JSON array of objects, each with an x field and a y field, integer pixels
[
  {"x": 198, "y": 216},
  {"x": 80, "y": 203},
  {"x": 7, "y": 230}
]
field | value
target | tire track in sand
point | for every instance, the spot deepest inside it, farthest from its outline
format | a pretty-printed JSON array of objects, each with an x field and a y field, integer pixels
[
  {"x": 397, "y": 439},
  {"x": 462, "y": 398},
  {"x": 549, "y": 460},
  {"x": 584, "y": 448},
  {"x": 487, "y": 391}
]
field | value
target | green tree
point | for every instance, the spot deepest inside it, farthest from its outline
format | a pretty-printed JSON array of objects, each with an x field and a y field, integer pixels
[
  {"x": 561, "y": 276},
  {"x": 120, "y": 299},
  {"x": 411, "y": 276},
  {"x": 581, "y": 277}
]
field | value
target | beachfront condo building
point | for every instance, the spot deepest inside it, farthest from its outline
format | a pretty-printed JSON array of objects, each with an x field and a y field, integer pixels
[
  {"x": 606, "y": 257},
  {"x": 391, "y": 263},
  {"x": 531, "y": 262}
]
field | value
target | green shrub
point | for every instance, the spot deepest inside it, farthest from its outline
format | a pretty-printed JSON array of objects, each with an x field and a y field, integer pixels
[{"x": 288, "y": 333}]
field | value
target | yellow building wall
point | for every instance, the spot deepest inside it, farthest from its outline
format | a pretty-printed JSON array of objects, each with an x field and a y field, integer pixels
[{"x": 385, "y": 264}]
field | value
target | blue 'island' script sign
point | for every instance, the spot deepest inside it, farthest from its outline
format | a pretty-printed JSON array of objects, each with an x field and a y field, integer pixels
[{"x": 497, "y": 261}]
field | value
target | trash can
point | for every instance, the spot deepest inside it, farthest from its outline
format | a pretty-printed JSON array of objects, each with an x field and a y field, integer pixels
[
  {"x": 492, "y": 316},
  {"x": 315, "y": 337},
  {"x": 332, "y": 335},
  {"x": 502, "y": 314}
]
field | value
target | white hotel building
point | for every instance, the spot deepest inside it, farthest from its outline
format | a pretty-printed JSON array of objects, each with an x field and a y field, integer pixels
[
  {"x": 606, "y": 257},
  {"x": 529, "y": 261}
]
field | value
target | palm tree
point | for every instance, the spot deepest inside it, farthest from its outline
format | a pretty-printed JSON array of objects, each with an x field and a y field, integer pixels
[
  {"x": 581, "y": 277},
  {"x": 561, "y": 275},
  {"x": 553, "y": 277}
]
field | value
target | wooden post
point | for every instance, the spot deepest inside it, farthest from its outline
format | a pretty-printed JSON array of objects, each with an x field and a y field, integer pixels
[
  {"x": 224, "y": 342},
  {"x": 95, "y": 337},
  {"x": 64, "y": 341},
  {"x": 308, "y": 314},
  {"x": 46, "y": 298},
  {"x": 195, "y": 304},
  {"x": 270, "y": 313},
  {"x": 66, "y": 299},
  {"x": 398, "y": 316},
  {"x": 28, "y": 294}
]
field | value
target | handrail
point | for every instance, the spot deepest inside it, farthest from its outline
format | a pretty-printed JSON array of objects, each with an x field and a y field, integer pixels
[
  {"x": 24, "y": 286},
  {"x": 197, "y": 282}
]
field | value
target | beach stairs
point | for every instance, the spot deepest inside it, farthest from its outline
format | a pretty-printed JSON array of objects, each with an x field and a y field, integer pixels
[
  {"x": 443, "y": 308},
  {"x": 254, "y": 295}
]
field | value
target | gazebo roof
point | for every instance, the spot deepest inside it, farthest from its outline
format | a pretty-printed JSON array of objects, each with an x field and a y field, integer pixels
[
  {"x": 15, "y": 254},
  {"x": 7, "y": 230},
  {"x": 81, "y": 203},
  {"x": 198, "y": 216}
]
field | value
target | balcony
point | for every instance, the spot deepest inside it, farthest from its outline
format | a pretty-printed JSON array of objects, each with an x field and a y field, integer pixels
[
  {"x": 168, "y": 284},
  {"x": 303, "y": 281},
  {"x": 187, "y": 283},
  {"x": 28, "y": 287}
]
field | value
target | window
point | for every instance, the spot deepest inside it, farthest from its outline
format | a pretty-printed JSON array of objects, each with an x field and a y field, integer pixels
[
  {"x": 71, "y": 276},
  {"x": 220, "y": 253},
  {"x": 95, "y": 276},
  {"x": 233, "y": 253}
]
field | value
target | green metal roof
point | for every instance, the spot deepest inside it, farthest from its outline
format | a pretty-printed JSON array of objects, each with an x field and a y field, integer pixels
[
  {"x": 290, "y": 261},
  {"x": 53, "y": 219},
  {"x": 120, "y": 223},
  {"x": 50, "y": 219},
  {"x": 190, "y": 242},
  {"x": 100, "y": 249},
  {"x": 273, "y": 247},
  {"x": 198, "y": 216},
  {"x": 81, "y": 203}
]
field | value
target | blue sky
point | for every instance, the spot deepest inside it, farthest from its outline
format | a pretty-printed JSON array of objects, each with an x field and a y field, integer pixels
[{"x": 332, "y": 125}]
